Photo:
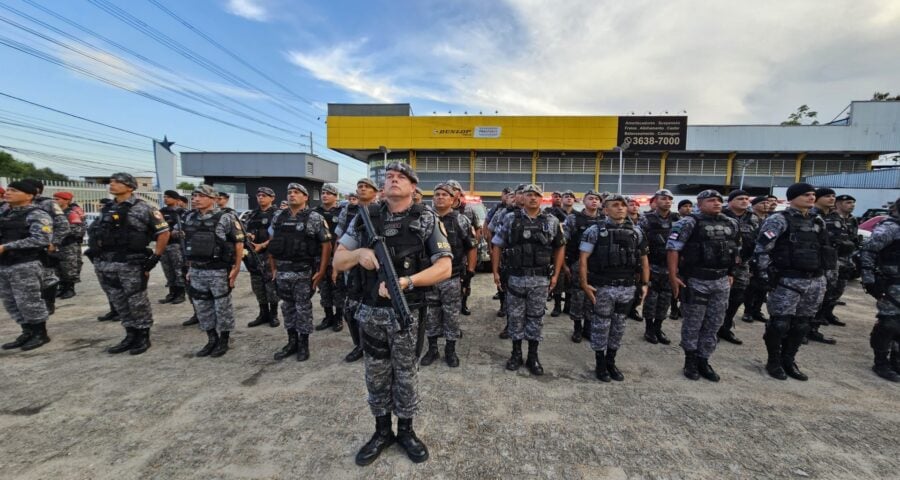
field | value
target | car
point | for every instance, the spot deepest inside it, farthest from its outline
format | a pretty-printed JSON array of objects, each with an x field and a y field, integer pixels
[
  {"x": 866, "y": 227},
  {"x": 872, "y": 213}
]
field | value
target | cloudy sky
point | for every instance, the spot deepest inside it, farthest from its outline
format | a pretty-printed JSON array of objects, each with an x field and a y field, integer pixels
[{"x": 255, "y": 75}]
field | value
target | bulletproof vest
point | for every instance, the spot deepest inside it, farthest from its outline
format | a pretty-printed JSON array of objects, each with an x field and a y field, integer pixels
[
  {"x": 802, "y": 247},
  {"x": 559, "y": 213},
  {"x": 292, "y": 240},
  {"x": 402, "y": 237},
  {"x": 710, "y": 250},
  {"x": 616, "y": 255},
  {"x": 456, "y": 238},
  {"x": 330, "y": 216},
  {"x": 113, "y": 233},
  {"x": 888, "y": 257},
  {"x": 529, "y": 250},
  {"x": 202, "y": 246},
  {"x": 749, "y": 230},
  {"x": 839, "y": 233},
  {"x": 582, "y": 223},
  {"x": 258, "y": 224},
  {"x": 171, "y": 214},
  {"x": 657, "y": 232},
  {"x": 352, "y": 210},
  {"x": 13, "y": 227},
  {"x": 461, "y": 209}
]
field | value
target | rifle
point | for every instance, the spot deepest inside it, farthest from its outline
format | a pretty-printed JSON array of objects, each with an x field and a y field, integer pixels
[
  {"x": 386, "y": 271},
  {"x": 252, "y": 255}
]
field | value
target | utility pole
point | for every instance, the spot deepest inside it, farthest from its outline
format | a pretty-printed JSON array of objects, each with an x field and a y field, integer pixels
[{"x": 310, "y": 143}]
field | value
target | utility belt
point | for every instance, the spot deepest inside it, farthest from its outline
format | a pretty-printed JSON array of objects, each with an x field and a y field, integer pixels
[
  {"x": 529, "y": 272},
  {"x": 295, "y": 267},
  {"x": 133, "y": 258},
  {"x": 800, "y": 274},
  {"x": 214, "y": 265},
  {"x": 613, "y": 282},
  {"x": 706, "y": 273},
  {"x": 414, "y": 301},
  {"x": 71, "y": 240},
  {"x": 15, "y": 257}
]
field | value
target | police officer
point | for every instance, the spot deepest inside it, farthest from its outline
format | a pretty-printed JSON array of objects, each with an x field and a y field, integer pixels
[
  {"x": 69, "y": 248},
  {"x": 123, "y": 262},
  {"x": 703, "y": 250},
  {"x": 422, "y": 258},
  {"x": 561, "y": 211},
  {"x": 214, "y": 246},
  {"x": 299, "y": 254},
  {"x": 496, "y": 223},
  {"x": 222, "y": 199},
  {"x": 575, "y": 225},
  {"x": 738, "y": 209},
  {"x": 444, "y": 301},
  {"x": 880, "y": 266},
  {"x": 656, "y": 225},
  {"x": 685, "y": 208},
  {"x": 466, "y": 210},
  {"x": 843, "y": 232},
  {"x": 50, "y": 283},
  {"x": 792, "y": 254},
  {"x": 25, "y": 232},
  {"x": 329, "y": 210},
  {"x": 532, "y": 245},
  {"x": 824, "y": 208},
  {"x": 755, "y": 297},
  {"x": 257, "y": 223},
  {"x": 172, "y": 260},
  {"x": 612, "y": 261}
]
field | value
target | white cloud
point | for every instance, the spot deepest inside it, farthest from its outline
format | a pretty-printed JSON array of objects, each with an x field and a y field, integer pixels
[
  {"x": 344, "y": 67},
  {"x": 249, "y": 9}
]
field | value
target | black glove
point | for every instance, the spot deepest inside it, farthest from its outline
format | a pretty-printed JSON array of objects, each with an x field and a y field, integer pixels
[
  {"x": 150, "y": 262},
  {"x": 875, "y": 290}
]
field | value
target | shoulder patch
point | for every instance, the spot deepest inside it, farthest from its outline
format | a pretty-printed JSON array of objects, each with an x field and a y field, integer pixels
[
  {"x": 769, "y": 234},
  {"x": 46, "y": 228},
  {"x": 442, "y": 228}
]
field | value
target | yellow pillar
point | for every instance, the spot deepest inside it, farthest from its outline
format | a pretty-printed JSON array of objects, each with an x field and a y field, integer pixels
[
  {"x": 412, "y": 159},
  {"x": 662, "y": 169},
  {"x": 729, "y": 169},
  {"x": 597, "y": 171},
  {"x": 472, "y": 170},
  {"x": 872, "y": 158},
  {"x": 534, "y": 160},
  {"x": 799, "y": 166}
]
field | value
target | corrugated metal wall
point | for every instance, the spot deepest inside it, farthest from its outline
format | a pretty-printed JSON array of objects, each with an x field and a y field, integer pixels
[{"x": 883, "y": 178}]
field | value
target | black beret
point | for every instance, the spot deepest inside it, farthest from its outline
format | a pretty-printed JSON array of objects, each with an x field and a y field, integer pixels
[
  {"x": 759, "y": 199},
  {"x": 685, "y": 202},
  {"x": 821, "y": 192},
  {"x": 844, "y": 197},
  {"x": 798, "y": 189},
  {"x": 737, "y": 193}
]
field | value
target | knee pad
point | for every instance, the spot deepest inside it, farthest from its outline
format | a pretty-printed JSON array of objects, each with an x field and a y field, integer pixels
[
  {"x": 622, "y": 308},
  {"x": 801, "y": 325},
  {"x": 779, "y": 324},
  {"x": 199, "y": 294}
]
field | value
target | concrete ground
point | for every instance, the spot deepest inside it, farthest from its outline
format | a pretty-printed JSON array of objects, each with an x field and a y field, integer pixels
[{"x": 69, "y": 410}]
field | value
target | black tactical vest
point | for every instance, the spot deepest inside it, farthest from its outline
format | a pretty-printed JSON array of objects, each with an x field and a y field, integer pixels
[
  {"x": 888, "y": 257},
  {"x": 529, "y": 250},
  {"x": 13, "y": 227},
  {"x": 203, "y": 247},
  {"x": 802, "y": 250},
  {"x": 710, "y": 251},
  {"x": 330, "y": 216},
  {"x": 748, "y": 227},
  {"x": 172, "y": 215},
  {"x": 456, "y": 237},
  {"x": 657, "y": 232},
  {"x": 113, "y": 233},
  {"x": 839, "y": 232},
  {"x": 582, "y": 223},
  {"x": 258, "y": 224},
  {"x": 616, "y": 258},
  {"x": 293, "y": 241}
]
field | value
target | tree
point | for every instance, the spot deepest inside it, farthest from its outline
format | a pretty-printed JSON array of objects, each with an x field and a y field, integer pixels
[
  {"x": 12, "y": 168},
  {"x": 185, "y": 186},
  {"x": 803, "y": 113},
  {"x": 885, "y": 97}
]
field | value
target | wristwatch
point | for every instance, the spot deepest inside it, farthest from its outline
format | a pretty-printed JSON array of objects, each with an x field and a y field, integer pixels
[{"x": 409, "y": 284}]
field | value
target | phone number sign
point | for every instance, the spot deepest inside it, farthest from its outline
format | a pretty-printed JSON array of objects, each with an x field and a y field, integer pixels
[{"x": 653, "y": 133}]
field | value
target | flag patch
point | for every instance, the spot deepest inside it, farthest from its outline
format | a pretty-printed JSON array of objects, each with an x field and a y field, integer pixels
[
  {"x": 673, "y": 236},
  {"x": 770, "y": 234}
]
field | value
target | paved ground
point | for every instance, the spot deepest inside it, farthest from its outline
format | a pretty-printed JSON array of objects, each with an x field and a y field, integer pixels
[{"x": 68, "y": 410}]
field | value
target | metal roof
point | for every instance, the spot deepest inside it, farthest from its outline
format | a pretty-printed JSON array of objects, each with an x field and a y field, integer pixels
[{"x": 882, "y": 178}]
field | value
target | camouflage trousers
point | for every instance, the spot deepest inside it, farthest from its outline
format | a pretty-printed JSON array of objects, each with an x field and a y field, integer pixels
[
  {"x": 327, "y": 291},
  {"x": 263, "y": 288},
  {"x": 20, "y": 290},
  {"x": 526, "y": 303},
  {"x": 49, "y": 276},
  {"x": 608, "y": 316},
  {"x": 443, "y": 310},
  {"x": 340, "y": 291},
  {"x": 70, "y": 263},
  {"x": 659, "y": 296},
  {"x": 211, "y": 296},
  {"x": 391, "y": 362},
  {"x": 578, "y": 302},
  {"x": 125, "y": 285},
  {"x": 172, "y": 263},
  {"x": 797, "y": 297},
  {"x": 703, "y": 304},
  {"x": 295, "y": 291},
  {"x": 886, "y": 331},
  {"x": 834, "y": 289}
]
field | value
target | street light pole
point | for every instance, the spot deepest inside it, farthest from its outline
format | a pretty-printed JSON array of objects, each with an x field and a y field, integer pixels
[
  {"x": 744, "y": 165},
  {"x": 621, "y": 149}
]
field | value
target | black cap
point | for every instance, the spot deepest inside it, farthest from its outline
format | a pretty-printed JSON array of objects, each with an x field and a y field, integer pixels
[
  {"x": 737, "y": 193},
  {"x": 798, "y": 189},
  {"x": 223, "y": 195},
  {"x": 506, "y": 190},
  {"x": 844, "y": 197},
  {"x": 759, "y": 199},
  {"x": 24, "y": 186},
  {"x": 172, "y": 194},
  {"x": 685, "y": 202},
  {"x": 824, "y": 191}
]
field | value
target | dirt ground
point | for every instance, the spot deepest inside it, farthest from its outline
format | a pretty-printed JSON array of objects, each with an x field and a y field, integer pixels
[{"x": 69, "y": 410}]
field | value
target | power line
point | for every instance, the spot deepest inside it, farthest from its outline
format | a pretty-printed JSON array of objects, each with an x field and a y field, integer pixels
[
  {"x": 76, "y": 160},
  {"x": 57, "y": 132},
  {"x": 66, "y": 149}
]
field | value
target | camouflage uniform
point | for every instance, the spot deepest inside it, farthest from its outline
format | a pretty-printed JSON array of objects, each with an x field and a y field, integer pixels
[
  {"x": 328, "y": 296},
  {"x": 843, "y": 233},
  {"x": 757, "y": 290},
  {"x": 495, "y": 224},
  {"x": 215, "y": 231},
  {"x": 21, "y": 271},
  {"x": 172, "y": 259},
  {"x": 257, "y": 223},
  {"x": 574, "y": 227},
  {"x": 69, "y": 248},
  {"x": 880, "y": 266},
  {"x": 50, "y": 276},
  {"x": 656, "y": 228},
  {"x": 792, "y": 253},
  {"x": 749, "y": 230},
  {"x": 444, "y": 302},
  {"x": 390, "y": 354}
]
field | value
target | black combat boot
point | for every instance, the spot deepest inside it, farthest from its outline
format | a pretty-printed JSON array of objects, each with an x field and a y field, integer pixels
[
  {"x": 49, "y": 296},
  {"x": 383, "y": 438},
  {"x": 337, "y": 323},
  {"x": 169, "y": 296},
  {"x": 675, "y": 311},
  {"x": 327, "y": 321},
  {"x": 601, "y": 369},
  {"x": 357, "y": 351},
  {"x": 775, "y": 369},
  {"x": 66, "y": 291},
  {"x": 126, "y": 343},
  {"x": 759, "y": 317},
  {"x": 110, "y": 316},
  {"x": 504, "y": 334},
  {"x": 566, "y": 304},
  {"x": 586, "y": 330},
  {"x": 464, "y": 306},
  {"x": 832, "y": 319},
  {"x": 221, "y": 346},
  {"x": 515, "y": 359},
  {"x": 22, "y": 339},
  {"x": 660, "y": 335},
  {"x": 747, "y": 318},
  {"x": 650, "y": 330},
  {"x": 690, "y": 365},
  {"x": 634, "y": 315},
  {"x": 38, "y": 338},
  {"x": 576, "y": 331},
  {"x": 533, "y": 362},
  {"x": 705, "y": 370},
  {"x": 614, "y": 372},
  {"x": 141, "y": 341},
  {"x": 262, "y": 318},
  {"x": 179, "y": 295},
  {"x": 882, "y": 367},
  {"x": 303, "y": 348},
  {"x": 790, "y": 368},
  {"x": 191, "y": 321},
  {"x": 557, "y": 306},
  {"x": 406, "y": 437},
  {"x": 727, "y": 335},
  {"x": 450, "y": 354},
  {"x": 815, "y": 335},
  {"x": 773, "y": 348},
  {"x": 895, "y": 360},
  {"x": 273, "y": 315},
  {"x": 290, "y": 348},
  {"x": 432, "y": 354},
  {"x": 211, "y": 339}
]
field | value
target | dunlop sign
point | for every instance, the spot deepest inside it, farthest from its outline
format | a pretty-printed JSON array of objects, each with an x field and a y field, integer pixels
[{"x": 464, "y": 132}]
